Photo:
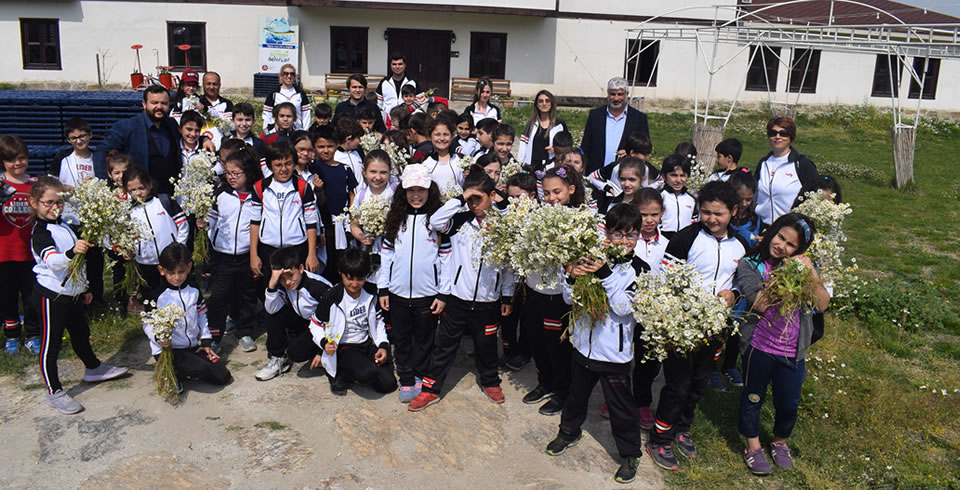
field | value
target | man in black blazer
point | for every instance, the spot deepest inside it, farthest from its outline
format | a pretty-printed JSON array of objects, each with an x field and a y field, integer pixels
[{"x": 617, "y": 120}]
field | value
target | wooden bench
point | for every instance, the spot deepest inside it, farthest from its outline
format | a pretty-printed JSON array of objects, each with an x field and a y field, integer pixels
[
  {"x": 462, "y": 88},
  {"x": 335, "y": 84}
]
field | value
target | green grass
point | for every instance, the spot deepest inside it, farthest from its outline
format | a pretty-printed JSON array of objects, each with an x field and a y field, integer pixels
[{"x": 270, "y": 425}]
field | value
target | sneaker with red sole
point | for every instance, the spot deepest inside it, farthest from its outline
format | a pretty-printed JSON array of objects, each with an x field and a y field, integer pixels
[
  {"x": 646, "y": 418},
  {"x": 605, "y": 411},
  {"x": 494, "y": 393},
  {"x": 423, "y": 400}
]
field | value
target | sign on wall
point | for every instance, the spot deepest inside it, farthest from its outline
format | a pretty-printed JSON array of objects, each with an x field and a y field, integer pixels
[{"x": 279, "y": 39}]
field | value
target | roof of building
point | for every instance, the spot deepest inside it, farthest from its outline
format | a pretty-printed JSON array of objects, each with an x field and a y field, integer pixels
[{"x": 818, "y": 13}]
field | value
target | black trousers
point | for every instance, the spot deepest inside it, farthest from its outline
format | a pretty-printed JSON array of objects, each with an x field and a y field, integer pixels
[
  {"x": 283, "y": 327},
  {"x": 731, "y": 350},
  {"x": 59, "y": 314},
  {"x": 331, "y": 271},
  {"x": 119, "y": 272},
  {"x": 355, "y": 364},
  {"x": 544, "y": 321},
  {"x": 151, "y": 276},
  {"x": 685, "y": 380},
  {"x": 233, "y": 290},
  {"x": 460, "y": 317},
  {"x": 514, "y": 343},
  {"x": 16, "y": 286},
  {"x": 643, "y": 373},
  {"x": 620, "y": 402},
  {"x": 190, "y": 364},
  {"x": 95, "y": 263},
  {"x": 412, "y": 333}
]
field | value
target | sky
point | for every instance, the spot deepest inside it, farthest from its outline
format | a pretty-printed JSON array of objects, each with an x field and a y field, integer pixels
[{"x": 949, "y": 7}]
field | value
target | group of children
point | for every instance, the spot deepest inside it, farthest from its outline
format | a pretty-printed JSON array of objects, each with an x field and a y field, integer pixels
[{"x": 404, "y": 312}]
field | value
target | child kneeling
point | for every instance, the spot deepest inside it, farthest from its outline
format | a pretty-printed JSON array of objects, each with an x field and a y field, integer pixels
[
  {"x": 602, "y": 350},
  {"x": 348, "y": 327},
  {"x": 192, "y": 356}
]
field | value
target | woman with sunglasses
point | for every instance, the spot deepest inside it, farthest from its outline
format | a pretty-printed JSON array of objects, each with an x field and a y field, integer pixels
[
  {"x": 289, "y": 92},
  {"x": 536, "y": 142},
  {"x": 782, "y": 173}
]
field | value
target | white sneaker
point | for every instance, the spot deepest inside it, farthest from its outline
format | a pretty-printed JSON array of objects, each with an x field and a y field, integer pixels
[
  {"x": 64, "y": 403},
  {"x": 247, "y": 344},
  {"x": 275, "y": 367}
]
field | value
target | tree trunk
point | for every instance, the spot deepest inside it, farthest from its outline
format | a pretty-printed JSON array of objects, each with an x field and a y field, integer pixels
[
  {"x": 904, "y": 143},
  {"x": 705, "y": 138}
]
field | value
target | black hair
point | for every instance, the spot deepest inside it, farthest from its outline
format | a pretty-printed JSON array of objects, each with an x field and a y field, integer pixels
[
  {"x": 718, "y": 191},
  {"x": 743, "y": 179},
  {"x": 487, "y": 159},
  {"x": 673, "y": 161},
  {"x": 487, "y": 125},
  {"x": 76, "y": 124},
  {"x": 399, "y": 209},
  {"x": 284, "y": 105},
  {"x": 194, "y": 117},
  {"x": 354, "y": 263},
  {"x": 278, "y": 151},
  {"x": 232, "y": 145},
  {"x": 136, "y": 172},
  {"x": 323, "y": 111},
  {"x": 623, "y": 217},
  {"x": 400, "y": 117},
  {"x": 420, "y": 123},
  {"x": 323, "y": 132},
  {"x": 246, "y": 158},
  {"x": 479, "y": 179},
  {"x": 647, "y": 194},
  {"x": 525, "y": 181},
  {"x": 300, "y": 135},
  {"x": 634, "y": 163},
  {"x": 824, "y": 183},
  {"x": 467, "y": 118},
  {"x": 114, "y": 158},
  {"x": 155, "y": 89},
  {"x": 805, "y": 227},
  {"x": 175, "y": 255},
  {"x": 408, "y": 90},
  {"x": 563, "y": 139},
  {"x": 570, "y": 176},
  {"x": 504, "y": 130},
  {"x": 686, "y": 148},
  {"x": 11, "y": 147},
  {"x": 366, "y": 114},
  {"x": 638, "y": 142},
  {"x": 732, "y": 148},
  {"x": 244, "y": 108},
  {"x": 347, "y": 127},
  {"x": 396, "y": 55},
  {"x": 285, "y": 258},
  {"x": 451, "y": 127},
  {"x": 362, "y": 80}
]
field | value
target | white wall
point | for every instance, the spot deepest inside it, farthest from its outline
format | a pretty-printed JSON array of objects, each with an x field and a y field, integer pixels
[{"x": 702, "y": 10}]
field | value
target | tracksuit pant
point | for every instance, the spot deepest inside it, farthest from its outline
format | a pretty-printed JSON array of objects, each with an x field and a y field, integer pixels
[
  {"x": 59, "y": 313},
  {"x": 643, "y": 373},
  {"x": 480, "y": 320},
  {"x": 615, "y": 383},
  {"x": 17, "y": 285},
  {"x": 355, "y": 364},
  {"x": 544, "y": 321},
  {"x": 786, "y": 375},
  {"x": 412, "y": 333},
  {"x": 233, "y": 289},
  {"x": 95, "y": 264},
  {"x": 283, "y": 328},
  {"x": 685, "y": 380},
  {"x": 514, "y": 343},
  {"x": 190, "y": 364}
]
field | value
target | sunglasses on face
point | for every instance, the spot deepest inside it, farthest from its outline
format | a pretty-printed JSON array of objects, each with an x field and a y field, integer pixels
[
  {"x": 288, "y": 73},
  {"x": 783, "y": 133}
]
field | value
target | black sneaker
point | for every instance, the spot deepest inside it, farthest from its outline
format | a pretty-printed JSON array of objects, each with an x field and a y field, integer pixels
[
  {"x": 553, "y": 406},
  {"x": 338, "y": 390},
  {"x": 628, "y": 469},
  {"x": 662, "y": 456},
  {"x": 539, "y": 394},
  {"x": 559, "y": 445},
  {"x": 684, "y": 444}
]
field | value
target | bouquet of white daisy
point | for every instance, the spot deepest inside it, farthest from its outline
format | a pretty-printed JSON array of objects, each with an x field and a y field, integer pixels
[
  {"x": 552, "y": 236},
  {"x": 499, "y": 238},
  {"x": 370, "y": 215},
  {"x": 827, "y": 247},
  {"x": 106, "y": 220},
  {"x": 698, "y": 174},
  {"x": 194, "y": 191},
  {"x": 369, "y": 142},
  {"x": 398, "y": 157},
  {"x": 513, "y": 167},
  {"x": 451, "y": 191},
  {"x": 675, "y": 313},
  {"x": 162, "y": 321},
  {"x": 466, "y": 161}
]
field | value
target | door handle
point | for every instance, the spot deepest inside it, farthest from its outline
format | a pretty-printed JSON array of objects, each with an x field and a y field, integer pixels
[{"x": 421, "y": 67}]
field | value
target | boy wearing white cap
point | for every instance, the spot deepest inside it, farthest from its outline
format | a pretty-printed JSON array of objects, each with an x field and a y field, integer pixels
[{"x": 409, "y": 278}]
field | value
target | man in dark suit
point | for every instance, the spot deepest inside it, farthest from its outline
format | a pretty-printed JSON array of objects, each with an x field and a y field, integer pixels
[
  {"x": 608, "y": 126},
  {"x": 152, "y": 140}
]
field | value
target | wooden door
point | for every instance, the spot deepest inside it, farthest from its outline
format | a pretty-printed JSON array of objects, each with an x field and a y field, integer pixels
[{"x": 428, "y": 56}]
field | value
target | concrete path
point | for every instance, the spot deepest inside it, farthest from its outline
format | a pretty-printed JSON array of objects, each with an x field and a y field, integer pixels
[{"x": 291, "y": 432}]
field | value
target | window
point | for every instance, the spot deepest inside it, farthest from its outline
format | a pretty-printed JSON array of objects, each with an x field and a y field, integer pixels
[
  {"x": 881, "y": 76},
  {"x": 40, "y": 43},
  {"x": 641, "y": 62},
  {"x": 929, "y": 78},
  {"x": 348, "y": 49},
  {"x": 192, "y": 34},
  {"x": 803, "y": 71},
  {"x": 762, "y": 74},
  {"x": 488, "y": 55}
]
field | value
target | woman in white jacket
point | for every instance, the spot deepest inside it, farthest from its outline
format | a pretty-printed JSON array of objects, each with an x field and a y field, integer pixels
[{"x": 536, "y": 142}]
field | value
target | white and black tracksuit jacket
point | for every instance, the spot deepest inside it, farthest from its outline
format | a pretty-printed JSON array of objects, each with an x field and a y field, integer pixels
[
  {"x": 165, "y": 221},
  {"x": 482, "y": 283},
  {"x": 284, "y": 216},
  {"x": 779, "y": 184},
  {"x": 295, "y": 96},
  {"x": 52, "y": 245},
  {"x": 679, "y": 210},
  {"x": 191, "y": 330},
  {"x": 303, "y": 300},
  {"x": 611, "y": 339},
  {"x": 229, "y": 221},
  {"x": 388, "y": 95},
  {"x": 715, "y": 259},
  {"x": 525, "y": 153},
  {"x": 411, "y": 264},
  {"x": 329, "y": 322}
]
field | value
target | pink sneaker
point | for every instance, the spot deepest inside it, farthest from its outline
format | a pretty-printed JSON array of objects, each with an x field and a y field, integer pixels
[{"x": 646, "y": 418}]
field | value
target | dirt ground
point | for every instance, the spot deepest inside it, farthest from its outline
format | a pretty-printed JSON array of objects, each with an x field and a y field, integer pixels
[{"x": 291, "y": 432}]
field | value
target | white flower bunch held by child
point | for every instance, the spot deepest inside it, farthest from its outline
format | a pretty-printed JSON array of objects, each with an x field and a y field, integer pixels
[
  {"x": 369, "y": 142},
  {"x": 824, "y": 208},
  {"x": 162, "y": 321},
  {"x": 372, "y": 202},
  {"x": 194, "y": 191}
]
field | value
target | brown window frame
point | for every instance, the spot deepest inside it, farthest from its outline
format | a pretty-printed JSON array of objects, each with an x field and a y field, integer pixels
[
  {"x": 25, "y": 44},
  {"x": 478, "y": 57},
  {"x": 173, "y": 52}
]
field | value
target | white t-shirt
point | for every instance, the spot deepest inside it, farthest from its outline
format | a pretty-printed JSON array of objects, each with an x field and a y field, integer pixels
[
  {"x": 74, "y": 170},
  {"x": 357, "y": 329}
]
